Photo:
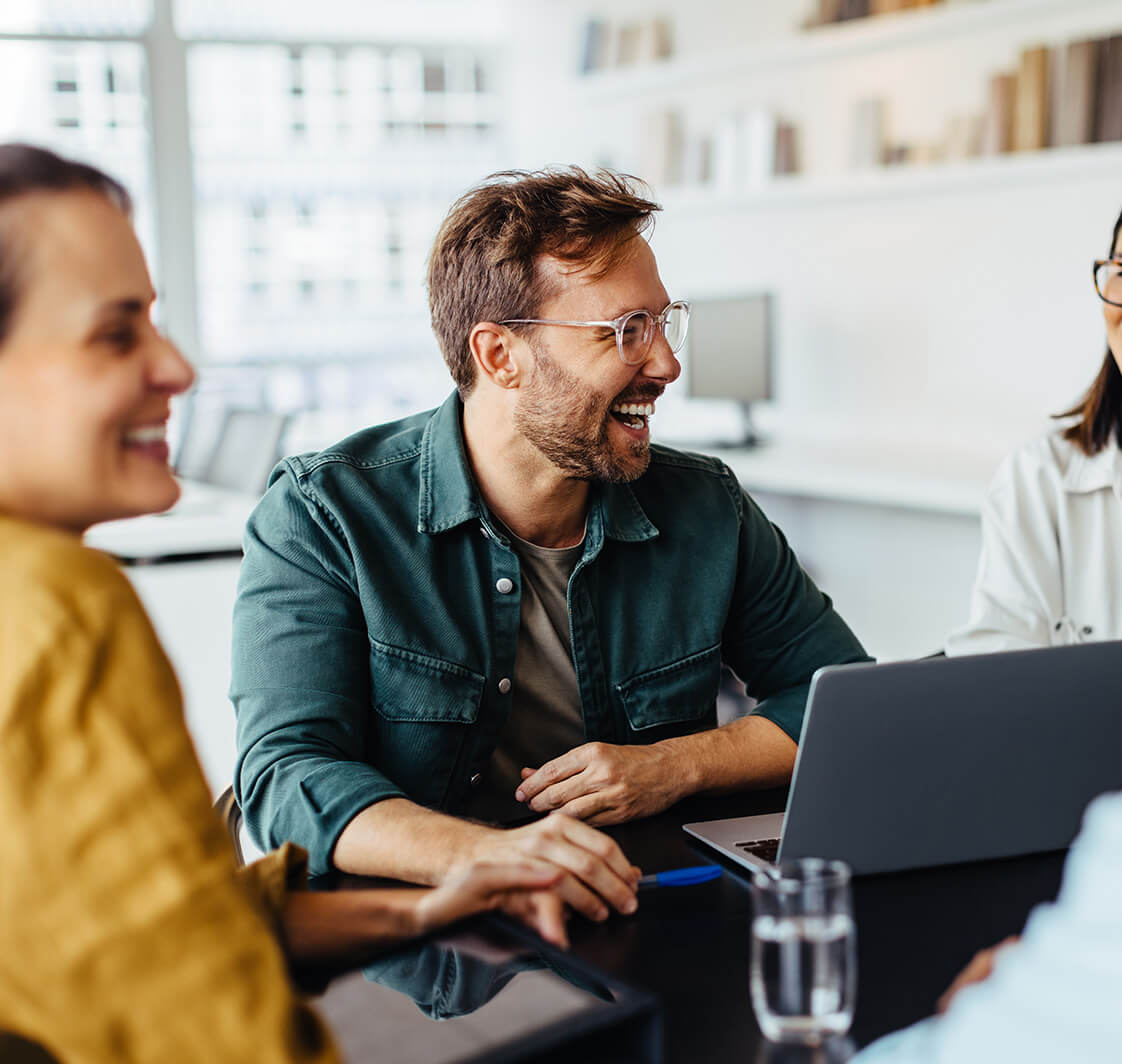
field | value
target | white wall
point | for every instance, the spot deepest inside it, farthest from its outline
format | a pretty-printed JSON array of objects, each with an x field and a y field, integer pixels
[
  {"x": 957, "y": 307},
  {"x": 942, "y": 307}
]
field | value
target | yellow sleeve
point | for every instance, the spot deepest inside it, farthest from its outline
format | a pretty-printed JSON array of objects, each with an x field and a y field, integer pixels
[
  {"x": 273, "y": 877},
  {"x": 126, "y": 933}
]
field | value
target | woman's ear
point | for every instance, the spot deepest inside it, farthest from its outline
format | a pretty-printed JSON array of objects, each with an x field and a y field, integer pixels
[{"x": 492, "y": 347}]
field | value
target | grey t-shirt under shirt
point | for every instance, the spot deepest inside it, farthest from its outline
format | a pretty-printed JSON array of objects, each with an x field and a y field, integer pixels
[{"x": 545, "y": 718}]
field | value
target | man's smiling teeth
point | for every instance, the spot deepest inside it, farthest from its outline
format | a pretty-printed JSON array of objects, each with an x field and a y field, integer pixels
[
  {"x": 146, "y": 434},
  {"x": 643, "y": 409}
]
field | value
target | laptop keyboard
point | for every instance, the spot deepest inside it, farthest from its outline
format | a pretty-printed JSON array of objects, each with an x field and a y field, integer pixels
[{"x": 764, "y": 849}]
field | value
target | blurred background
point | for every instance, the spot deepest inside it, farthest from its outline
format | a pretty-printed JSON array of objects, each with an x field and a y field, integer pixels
[{"x": 913, "y": 192}]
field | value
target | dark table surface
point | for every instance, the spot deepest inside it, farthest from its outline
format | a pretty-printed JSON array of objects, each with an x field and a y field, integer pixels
[{"x": 689, "y": 946}]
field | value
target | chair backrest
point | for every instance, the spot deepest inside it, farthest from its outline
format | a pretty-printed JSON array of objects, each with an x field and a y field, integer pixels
[
  {"x": 17, "y": 1050},
  {"x": 226, "y": 806},
  {"x": 248, "y": 447}
]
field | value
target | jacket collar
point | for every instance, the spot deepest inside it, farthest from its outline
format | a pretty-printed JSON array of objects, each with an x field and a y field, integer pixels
[
  {"x": 1096, "y": 472},
  {"x": 448, "y": 494}
]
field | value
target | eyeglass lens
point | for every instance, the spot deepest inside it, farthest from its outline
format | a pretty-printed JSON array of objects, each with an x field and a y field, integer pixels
[
  {"x": 1108, "y": 281},
  {"x": 637, "y": 332}
]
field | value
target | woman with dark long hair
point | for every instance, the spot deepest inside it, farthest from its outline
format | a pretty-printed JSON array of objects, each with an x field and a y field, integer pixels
[
  {"x": 126, "y": 932},
  {"x": 1051, "y": 567}
]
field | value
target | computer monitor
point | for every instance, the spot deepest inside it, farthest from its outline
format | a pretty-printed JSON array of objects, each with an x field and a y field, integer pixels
[{"x": 729, "y": 352}]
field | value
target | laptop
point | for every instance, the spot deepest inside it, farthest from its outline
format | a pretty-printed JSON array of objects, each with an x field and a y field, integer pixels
[{"x": 943, "y": 760}]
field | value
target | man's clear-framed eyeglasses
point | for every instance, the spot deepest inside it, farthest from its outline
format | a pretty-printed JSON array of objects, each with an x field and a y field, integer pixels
[
  {"x": 634, "y": 330},
  {"x": 1108, "y": 281}
]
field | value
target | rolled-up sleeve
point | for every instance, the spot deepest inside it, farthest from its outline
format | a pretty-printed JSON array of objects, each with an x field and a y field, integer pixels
[
  {"x": 301, "y": 679},
  {"x": 781, "y": 628}
]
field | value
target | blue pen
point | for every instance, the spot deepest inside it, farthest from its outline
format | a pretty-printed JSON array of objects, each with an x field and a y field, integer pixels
[{"x": 680, "y": 877}]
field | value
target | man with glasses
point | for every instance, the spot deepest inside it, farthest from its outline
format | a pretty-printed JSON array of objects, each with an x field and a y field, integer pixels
[{"x": 516, "y": 604}]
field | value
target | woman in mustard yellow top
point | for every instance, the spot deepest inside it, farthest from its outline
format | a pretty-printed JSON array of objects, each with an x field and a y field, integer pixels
[{"x": 126, "y": 932}]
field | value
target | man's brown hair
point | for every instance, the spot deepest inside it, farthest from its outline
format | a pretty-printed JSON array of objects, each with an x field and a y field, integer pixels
[
  {"x": 484, "y": 264},
  {"x": 1100, "y": 409}
]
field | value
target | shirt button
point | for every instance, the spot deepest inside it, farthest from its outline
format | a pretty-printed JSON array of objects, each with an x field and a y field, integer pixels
[
  {"x": 504, "y": 585},
  {"x": 504, "y": 686},
  {"x": 476, "y": 779}
]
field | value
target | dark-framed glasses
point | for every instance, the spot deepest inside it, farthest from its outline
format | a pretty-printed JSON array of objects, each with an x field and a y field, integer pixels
[
  {"x": 1108, "y": 281},
  {"x": 634, "y": 330}
]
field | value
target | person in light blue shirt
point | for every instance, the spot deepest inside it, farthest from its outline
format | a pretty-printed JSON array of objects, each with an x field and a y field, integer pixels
[{"x": 1056, "y": 994}]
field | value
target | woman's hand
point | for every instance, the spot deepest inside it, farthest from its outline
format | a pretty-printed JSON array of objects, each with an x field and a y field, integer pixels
[{"x": 523, "y": 889}]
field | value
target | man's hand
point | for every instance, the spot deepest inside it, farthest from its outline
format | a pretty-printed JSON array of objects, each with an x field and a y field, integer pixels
[
  {"x": 604, "y": 784},
  {"x": 979, "y": 968},
  {"x": 525, "y": 890},
  {"x": 595, "y": 872}
]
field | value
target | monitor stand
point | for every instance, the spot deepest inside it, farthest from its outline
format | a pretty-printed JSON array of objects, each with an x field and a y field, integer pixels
[{"x": 749, "y": 436}]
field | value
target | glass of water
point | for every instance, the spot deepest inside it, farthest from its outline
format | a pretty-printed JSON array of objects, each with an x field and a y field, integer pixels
[{"x": 804, "y": 951}]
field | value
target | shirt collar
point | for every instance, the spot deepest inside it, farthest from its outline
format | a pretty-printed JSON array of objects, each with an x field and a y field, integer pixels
[
  {"x": 1096, "y": 472},
  {"x": 448, "y": 495}
]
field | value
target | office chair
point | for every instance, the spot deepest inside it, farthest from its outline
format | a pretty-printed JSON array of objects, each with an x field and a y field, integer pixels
[
  {"x": 227, "y": 445},
  {"x": 226, "y": 806},
  {"x": 249, "y": 444}
]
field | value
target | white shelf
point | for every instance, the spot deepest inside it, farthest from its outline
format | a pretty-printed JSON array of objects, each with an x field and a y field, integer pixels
[
  {"x": 845, "y": 40},
  {"x": 1088, "y": 162}
]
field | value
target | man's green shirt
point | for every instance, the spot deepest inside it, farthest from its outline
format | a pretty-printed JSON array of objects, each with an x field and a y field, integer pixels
[{"x": 378, "y": 613}]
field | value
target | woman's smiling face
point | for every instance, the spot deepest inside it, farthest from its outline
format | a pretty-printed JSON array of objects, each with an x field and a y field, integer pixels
[{"x": 85, "y": 377}]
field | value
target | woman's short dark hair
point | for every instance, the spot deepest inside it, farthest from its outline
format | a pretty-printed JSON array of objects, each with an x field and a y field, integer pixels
[
  {"x": 1100, "y": 410},
  {"x": 26, "y": 169}
]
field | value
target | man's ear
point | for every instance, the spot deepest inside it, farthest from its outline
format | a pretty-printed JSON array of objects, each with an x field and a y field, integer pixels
[{"x": 492, "y": 347}]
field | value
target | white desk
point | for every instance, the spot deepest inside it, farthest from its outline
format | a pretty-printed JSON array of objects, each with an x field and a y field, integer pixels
[
  {"x": 206, "y": 521},
  {"x": 912, "y": 478}
]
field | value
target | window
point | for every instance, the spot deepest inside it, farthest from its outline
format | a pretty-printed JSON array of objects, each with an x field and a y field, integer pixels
[{"x": 324, "y": 143}]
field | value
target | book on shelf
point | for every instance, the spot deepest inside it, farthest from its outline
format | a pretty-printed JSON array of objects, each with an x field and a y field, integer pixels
[
  {"x": 868, "y": 134},
  {"x": 997, "y": 125},
  {"x": 747, "y": 149},
  {"x": 759, "y": 129},
  {"x": 655, "y": 40},
  {"x": 697, "y": 160},
  {"x": 1108, "y": 124},
  {"x": 786, "y": 148},
  {"x": 850, "y": 9},
  {"x": 627, "y": 44},
  {"x": 826, "y": 13},
  {"x": 1031, "y": 106},
  {"x": 1074, "y": 93},
  {"x": 661, "y": 148},
  {"x": 606, "y": 44},
  {"x": 594, "y": 45},
  {"x": 963, "y": 138}
]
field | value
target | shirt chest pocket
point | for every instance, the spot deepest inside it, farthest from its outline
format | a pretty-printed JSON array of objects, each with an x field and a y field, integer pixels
[
  {"x": 678, "y": 696},
  {"x": 414, "y": 688},
  {"x": 421, "y": 706}
]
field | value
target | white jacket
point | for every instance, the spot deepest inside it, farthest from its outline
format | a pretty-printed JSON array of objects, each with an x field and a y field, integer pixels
[{"x": 1051, "y": 567}]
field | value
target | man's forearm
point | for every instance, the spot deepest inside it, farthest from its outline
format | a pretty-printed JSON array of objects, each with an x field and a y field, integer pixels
[
  {"x": 399, "y": 839},
  {"x": 750, "y": 752}
]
